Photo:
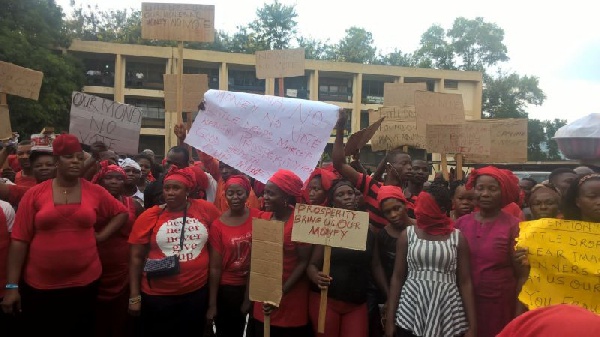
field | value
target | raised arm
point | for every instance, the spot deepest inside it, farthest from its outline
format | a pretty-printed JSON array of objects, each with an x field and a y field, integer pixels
[{"x": 338, "y": 155}]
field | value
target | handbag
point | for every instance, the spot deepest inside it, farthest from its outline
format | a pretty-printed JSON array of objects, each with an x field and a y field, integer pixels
[{"x": 169, "y": 265}]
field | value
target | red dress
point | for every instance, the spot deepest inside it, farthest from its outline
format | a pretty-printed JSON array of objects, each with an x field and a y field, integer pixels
[
  {"x": 4, "y": 242},
  {"x": 494, "y": 281},
  {"x": 161, "y": 229},
  {"x": 21, "y": 180},
  {"x": 62, "y": 241},
  {"x": 293, "y": 308},
  {"x": 234, "y": 243},
  {"x": 114, "y": 256}
]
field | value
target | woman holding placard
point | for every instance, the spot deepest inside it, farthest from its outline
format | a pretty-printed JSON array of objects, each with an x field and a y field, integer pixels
[
  {"x": 430, "y": 291},
  {"x": 230, "y": 244},
  {"x": 346, "y": 284},
  {"x": 290, "y": 319},
  {"x": 491, "y": 234}
]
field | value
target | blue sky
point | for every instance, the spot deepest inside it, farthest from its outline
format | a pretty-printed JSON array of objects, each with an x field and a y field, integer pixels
[{"x": 556, "y": 41}]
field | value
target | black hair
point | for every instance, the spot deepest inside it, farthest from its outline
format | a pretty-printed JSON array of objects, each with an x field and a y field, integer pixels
[
  {"x": 393, "y": 153},
  {"x": 182, "y": 150},
  {"x": 556, "y": 172},
  {"x": 441, "y": 195},
  {"x": 531, "y": 180},
  {"x": 454, "y": 185},
  {"x": 334, "y": 186},
  {"x": 37, "y": 154},
  {"x": 144, "y": 156},
  {"x": 569, "y": 206},
  {"x": 25, "y": 142}
]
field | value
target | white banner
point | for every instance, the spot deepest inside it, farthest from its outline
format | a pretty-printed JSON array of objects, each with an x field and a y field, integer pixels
[
  {"x": 95, "y": 119},
  {"x": 259, "y": 134}
]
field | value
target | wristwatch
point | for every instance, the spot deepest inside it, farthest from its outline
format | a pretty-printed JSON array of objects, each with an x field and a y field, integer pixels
[{"x": 11, "y": 286}]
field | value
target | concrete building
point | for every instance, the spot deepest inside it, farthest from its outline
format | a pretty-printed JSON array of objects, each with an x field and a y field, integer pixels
[{"x": 133, "y": 74}]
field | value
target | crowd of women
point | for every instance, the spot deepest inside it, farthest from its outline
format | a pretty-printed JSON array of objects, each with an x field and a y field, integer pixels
[{"x": 102, "y": 245}]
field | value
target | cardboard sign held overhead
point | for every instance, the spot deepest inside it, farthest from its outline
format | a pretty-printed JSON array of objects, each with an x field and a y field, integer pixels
[
  {"x": 194, "y": 87},
  {"x": 401, "y": 94},
  {"x": 178, "y": 22},
  {"x": 508, "y": 142},
  {"x": 97, "y": 119},
  {"x": 266, "y": 261},
  {"x": 5, "y": 128},
  {"x": 360, "y": 138},
  {"x": 332, "y": 227},
  {"x": 398, "y": 129},
  {"x": 19, "y": 81},
  {"x": 466, "y": 138},
  {"x": 279, "y": 63},
  {"x": 438, "y": 108}
]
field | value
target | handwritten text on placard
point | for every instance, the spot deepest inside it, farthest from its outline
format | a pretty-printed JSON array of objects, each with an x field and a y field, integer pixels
[
  {"x": 280, "y": 63},
  {"x": 399, "y": 128},
  {"x": 178, "y": 22},
  {"x": 19, "y": 81},
  {"x": 565, "y": 263},
  {"x": 260, "y": 134},
  {"x": 333, "y": 227},
  {"x": 97, "y": 119}
]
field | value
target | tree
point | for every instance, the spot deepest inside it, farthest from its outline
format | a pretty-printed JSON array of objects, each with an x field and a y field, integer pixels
[
  {"x": 435, "y": 51},
  {"x": 507, "y": 95},
  {"x": 356, "y": 46},
  {"x": 478, "y": 43},
  {"x": 31, "y": 35},
  {"x": 396, "y": 58},
  {"x": 316, "y": 49},
  {"x": 275, "y": 25}
]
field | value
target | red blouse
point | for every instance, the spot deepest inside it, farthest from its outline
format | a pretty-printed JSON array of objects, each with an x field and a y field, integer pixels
[{"x": 62, "y": 241}]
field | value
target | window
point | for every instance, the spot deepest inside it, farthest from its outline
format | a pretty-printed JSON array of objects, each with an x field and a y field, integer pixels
[
  {"x": 144, "y": 75},
  {"x": 450, "y": 84},
  {"x": 153, "y": 111}
]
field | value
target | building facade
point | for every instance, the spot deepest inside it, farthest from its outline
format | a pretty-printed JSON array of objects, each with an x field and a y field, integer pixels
[{"x": 133, "y": 74}]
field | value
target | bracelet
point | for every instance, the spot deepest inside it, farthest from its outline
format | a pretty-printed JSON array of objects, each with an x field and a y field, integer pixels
[
  {"x": 135, "y": 300},
  {"x": 11, "y": 286}
]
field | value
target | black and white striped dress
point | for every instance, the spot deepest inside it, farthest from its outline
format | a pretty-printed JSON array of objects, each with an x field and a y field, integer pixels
[{"x": 430, "y": 303}]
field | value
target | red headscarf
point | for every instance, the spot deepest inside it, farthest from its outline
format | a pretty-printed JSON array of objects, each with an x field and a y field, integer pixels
[
  {"x": 390, "y": 192},
  {"x": 327, "y": 175},
  {"x": 509, "y": 183},
  {"x": 288, "y": 182},
  {"x": 430, "y": 217},
  {"x": 185, "y": 176},
  {"x": 238, "y": 180},
  {"x": 106, "y": 168},
  {"x": 556, "y": 320},
  {"x": 200, "y": 177},
  {"x": 65, "y": 144}
]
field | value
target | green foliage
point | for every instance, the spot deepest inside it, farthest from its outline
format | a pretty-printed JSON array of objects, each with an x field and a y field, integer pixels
[
  {"x": 31, "y": 35},
  {"x": 507, "y": 95},
  {"x": 275, "y": 25},
  {"x": 541, "y": 145},
  {"x": 356, "y": 46},
  {"x": 435, "y": 51},
  {"x": 316, "y": 49},
  {"x": 396, "y": 58}
]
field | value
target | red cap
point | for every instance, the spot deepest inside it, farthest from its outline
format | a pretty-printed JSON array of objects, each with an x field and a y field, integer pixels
[{"x": 66, "y": 144}]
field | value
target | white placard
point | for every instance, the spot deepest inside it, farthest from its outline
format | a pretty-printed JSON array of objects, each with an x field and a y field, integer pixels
[
  {"x": 260, "y": 134},
  {"x": 97, "y": 119}
]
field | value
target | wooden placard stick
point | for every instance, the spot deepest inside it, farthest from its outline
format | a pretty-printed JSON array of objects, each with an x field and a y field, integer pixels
[
  {"x": 179, "y": 82},
  {"x": 3, "y": 100},
  {"x": 267, "y": 326},
  {"x": 405, "y": 148},
  {"x": 323, "y": 305},
  {"x": 281, "y": 87},
  {"x": 459, "y": 166},
  {"x": 444, "y": 164}
]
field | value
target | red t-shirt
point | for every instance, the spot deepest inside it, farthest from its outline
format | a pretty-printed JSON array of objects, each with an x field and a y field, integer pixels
[
  {"x": 114, "y": 256},
  {"x": 234, "y": 244},
  {"x": 28, "y": 181},
  {"x": 15, "y": 194},
  {"x": 293, "y": 308},
  {"x": 162, "y": 229},
  {"x": 4, "y": 242},
  {"x": 62, "y": 241}
]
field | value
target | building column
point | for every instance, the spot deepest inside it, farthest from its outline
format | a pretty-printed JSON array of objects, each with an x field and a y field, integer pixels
[
  {"x": 223, "y": 77},
  {"x": 478, "y": 101},
  {"x": 442, "y": 85},
  {"x": 357, "y": 100},
  {"x": 270, "y": 86},
  {"x": 399, "y": 79},
  {"x": 313, "y": 85},
  {"x": 119, "y": 85}
]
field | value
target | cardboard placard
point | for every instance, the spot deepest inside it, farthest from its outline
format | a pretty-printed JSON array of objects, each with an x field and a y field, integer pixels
[
  {"x": 360, "y": 138},
  {"x": 97, "y": 119},
  {"x": 19, "y": 81},
  {"x": 332, "y": 227},
  {"x": 260, "y": 134},
  {"x": 5, "y": 128},
  {"x": 508, "y": 142},
  {"x": 398, "y": 129},
  {"x": 266, "y": 266},
  {"x": 194, "y": 87},
  {"x": 279, "y": 63},
  {"x": 401, "y": 94},
  {"x": 178, "y": 22},
  {"x": 564, "y": 256},
  {"x": 438, "y": 108},
  {"x": 466, "y": 138}
]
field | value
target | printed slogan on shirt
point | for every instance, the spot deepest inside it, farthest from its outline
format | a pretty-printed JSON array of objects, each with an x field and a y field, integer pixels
[{"x": 564, "y": 256}]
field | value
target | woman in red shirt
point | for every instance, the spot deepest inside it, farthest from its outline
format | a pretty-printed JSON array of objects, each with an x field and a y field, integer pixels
[
  {"x": 230, "y": 244},
  {"x": 290, "y": 319},
  {"x": 53, "y": 249},
  {"x": 111, "y": 308},
  {"x": 172, "y": 305}
]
